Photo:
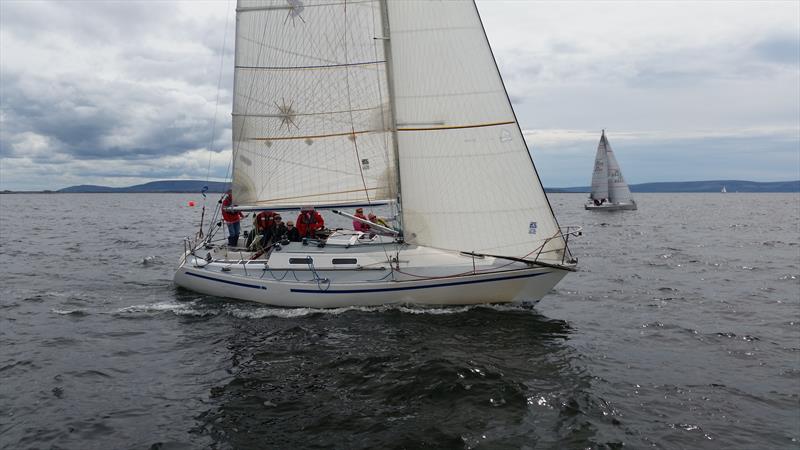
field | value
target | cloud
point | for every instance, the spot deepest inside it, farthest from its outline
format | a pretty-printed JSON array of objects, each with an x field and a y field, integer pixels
[
  {"x": 121, "y": 92},
  {"x": 108, "y": 89}
]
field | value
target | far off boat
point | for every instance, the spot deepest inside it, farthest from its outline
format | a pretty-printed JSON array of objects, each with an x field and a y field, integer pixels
[{"x": 610, "y": 192}]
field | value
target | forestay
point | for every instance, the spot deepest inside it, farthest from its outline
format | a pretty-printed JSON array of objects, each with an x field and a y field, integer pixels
[
  {"x": 311, "y": 121},
  {"x": 468, "y": 182}
]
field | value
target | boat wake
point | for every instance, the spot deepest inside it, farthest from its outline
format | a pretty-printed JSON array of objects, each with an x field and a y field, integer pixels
[{"x": 200, "y": 308}]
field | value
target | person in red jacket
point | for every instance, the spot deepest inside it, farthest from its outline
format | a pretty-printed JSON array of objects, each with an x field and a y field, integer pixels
[
  {"x": 309, "y": 222},
  {"x": 232, "y": 219},
  {"x": 262, "y": 222},
  {"x": 359, "y": 225}
]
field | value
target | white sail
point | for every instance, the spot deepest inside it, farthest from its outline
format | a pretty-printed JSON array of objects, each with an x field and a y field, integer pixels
[
  {"x": 618, "y": 190},
  {"x": 311, "y": 120},
  {"x": 467, "y": 180},
  {"x": 600, "y": 173}
]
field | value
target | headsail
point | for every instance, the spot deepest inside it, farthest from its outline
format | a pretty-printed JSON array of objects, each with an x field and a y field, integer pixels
[
  {"x": 311, "y": 120},
  {"x": 618, "y": 190},
  {"x": 468, "y": 181}
]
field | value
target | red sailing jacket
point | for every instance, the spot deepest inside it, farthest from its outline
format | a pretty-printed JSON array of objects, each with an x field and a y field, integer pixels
[
  {"x": 308, "y": 223},
  {"x": 230, "y": 217}
]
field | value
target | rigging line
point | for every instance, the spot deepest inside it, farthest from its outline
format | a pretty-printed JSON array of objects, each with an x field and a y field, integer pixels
[
  {"x": 324, "y": 113},
  {"x": 219, "y": 88},
  {"x": 214, "y": 122},
  {"x": 383, "y": 117},
  {"x": 350, "y": 108},
  {"x": 315, "y": 136},
  {"x": 289, "y": 7},
  {"x": 320, "y": 194},
  {"x": 319, "y": 66},
  {"x": 352, "y": 125},
  {"x": 457, "y": 127},
  {"x": 237, "y": 142}
]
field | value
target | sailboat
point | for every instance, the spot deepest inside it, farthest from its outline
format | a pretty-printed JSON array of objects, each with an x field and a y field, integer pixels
[
  {"x": 723, "y": 189},
  {"x": 610, "y": 192},
  {"x": 342, "y": 104}
]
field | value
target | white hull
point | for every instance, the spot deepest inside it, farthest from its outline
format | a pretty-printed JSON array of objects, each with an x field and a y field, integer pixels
[
  {"x": 489, "y": 281},
  {"x": 611, "y": 206}
]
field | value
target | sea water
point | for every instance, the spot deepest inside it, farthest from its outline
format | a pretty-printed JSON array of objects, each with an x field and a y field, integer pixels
[{"x": 681, "y": 329}]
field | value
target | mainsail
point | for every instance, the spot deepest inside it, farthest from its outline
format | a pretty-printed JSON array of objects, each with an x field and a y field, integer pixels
[
  {"x": 335, "y": 98},
  {"x": 310, "y": 109}
]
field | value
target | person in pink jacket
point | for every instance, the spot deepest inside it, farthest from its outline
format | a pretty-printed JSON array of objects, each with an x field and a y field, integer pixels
[{"x": 358, "y": 225}]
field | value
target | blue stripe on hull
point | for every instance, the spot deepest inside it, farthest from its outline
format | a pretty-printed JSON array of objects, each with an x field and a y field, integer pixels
[
  {"x": 254, "y": 286},
  {"x": 363, "y": 291},
  {"x": 455, "y": 283}
]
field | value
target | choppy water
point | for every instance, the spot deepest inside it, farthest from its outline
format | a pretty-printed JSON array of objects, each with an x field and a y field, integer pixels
[{"x": 681, "y": 330}]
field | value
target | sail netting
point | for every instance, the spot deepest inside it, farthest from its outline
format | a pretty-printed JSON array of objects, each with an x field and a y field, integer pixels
[
  {"x": 600, "y": 173},
  {"x": 311, "y": 121},
  {"x": 467, "y": 180},
  {"x": 618, "y": 190}
]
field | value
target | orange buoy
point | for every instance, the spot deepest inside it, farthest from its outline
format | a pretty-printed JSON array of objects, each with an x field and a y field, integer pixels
[{"x": 191, "y": 203}]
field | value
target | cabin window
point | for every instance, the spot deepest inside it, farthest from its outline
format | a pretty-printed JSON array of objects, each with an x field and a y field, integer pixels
[
  {"x": 300, "y": 260},
  {"x": 345, "y": 261}
]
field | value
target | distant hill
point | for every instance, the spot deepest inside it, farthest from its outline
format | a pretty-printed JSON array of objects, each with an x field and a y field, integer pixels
[
  {"x": 177, "y": 186},
  {"x": 701, "y": 186},
  {"x": 195, "y": 186}
]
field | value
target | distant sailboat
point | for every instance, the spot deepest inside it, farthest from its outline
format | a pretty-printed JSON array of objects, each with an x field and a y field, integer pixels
[
  {"x": 609, "y": 190},
  {"x": 723, "y": 189}
]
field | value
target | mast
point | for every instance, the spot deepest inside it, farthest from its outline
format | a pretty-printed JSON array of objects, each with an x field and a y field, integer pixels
[{"x": 387, "y": 52}]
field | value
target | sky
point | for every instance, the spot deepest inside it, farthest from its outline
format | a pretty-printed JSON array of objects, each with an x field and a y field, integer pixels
[{"x": 118, "y": 93}]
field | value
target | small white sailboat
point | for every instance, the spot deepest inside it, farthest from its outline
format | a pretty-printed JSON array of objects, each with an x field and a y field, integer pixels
[
  {"x": 610, "y": 192},
  {"x": 399, "y": 104},
  {"x": 723, "y": 189}
]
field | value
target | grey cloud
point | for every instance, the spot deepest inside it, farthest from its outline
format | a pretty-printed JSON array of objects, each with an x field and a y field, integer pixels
[
  {"x": 779, "y": 49},
  {"x": 156, "y": 102},
  {"x": 149, "y": 121}
]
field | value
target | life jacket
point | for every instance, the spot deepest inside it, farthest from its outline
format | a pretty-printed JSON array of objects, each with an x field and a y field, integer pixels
[
  {"x": 265, "y": 220},
  {"x": 227, "y": 216},
  {"x": 308, "y": 223}
]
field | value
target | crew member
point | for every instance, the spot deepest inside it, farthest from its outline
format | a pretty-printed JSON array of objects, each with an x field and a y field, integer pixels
[
  {"x": 357, "y": 224},
  {"x": 231, "y": 219},
  {"x": 309, "y": 222}
]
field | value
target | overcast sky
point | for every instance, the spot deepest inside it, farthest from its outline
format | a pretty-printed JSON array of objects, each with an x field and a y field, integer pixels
[{"x": 121, "y": 93}]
